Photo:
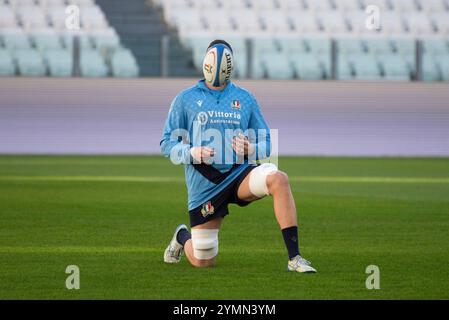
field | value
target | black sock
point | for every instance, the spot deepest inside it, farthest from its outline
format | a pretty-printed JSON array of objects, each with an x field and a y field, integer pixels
[
  {"x": 182, "y": 236},
  {"x": 291, "y": 240}
]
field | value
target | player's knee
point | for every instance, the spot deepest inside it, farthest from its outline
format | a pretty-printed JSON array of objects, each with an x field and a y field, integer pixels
[
  {"x": 277, "y": 181},
  {"x": 203, "y": 263},
  {"x": 259, "y": 177},
  {"x": 205, "y": 247}
]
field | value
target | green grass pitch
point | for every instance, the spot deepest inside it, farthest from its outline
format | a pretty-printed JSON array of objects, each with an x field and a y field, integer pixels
[{"x": 113, "y": 217}]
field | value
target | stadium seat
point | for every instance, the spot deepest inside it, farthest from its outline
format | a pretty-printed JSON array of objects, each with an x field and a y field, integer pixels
[
  {"x": 394, "y": 67},
  {"x": 318, "y": 45},
  {"x": 31, "y": 17},
  {"x": 308, "y": 67},
  {"x": 291, "y": 5},
  {"x": 443, "y": 63},
  {"x": 276, "y": 23},
  {"x": 7, "y": 67},
  {"x": 430, "y": 69},
  {"x": 105, "y": 38},
  {"x": 347, "y": 5},
  {"x": 436, "y": 45},
  {"x": 432, "y": 5},
  {"x": 15, "y": 38},
  {"x": 383, "y": 5},
  {"x": 248, "y": 23},
  {"x": 441, "y": 20},
  {"x": 332, "y": 22},
  {"x": 277, "y": 66},
  {"x": 365, "y": 67},
  {"x": 30, "y": 63},
  {"x": 263, "y": 5},
  {"x": 404, "y": 5},
  {"x": 292, "y": 45},
  {"x": 60, "y": 62},
  {"x": 47, "y": 38},
  {"x": 318, "y": 5},
  {"x": 304, "y": 23},
  {"x": 264, "y": 45},
  {"x": 92, "y": 64},
  {"x": 350, "y": 46},
  {"x": 92, "y": 18},
  {"x": 379, "y": 45},
  {"x": 7, "y": 17},
  {"x": 124, "y": 64},
  {"x": 418, "y": 24},
  {"x": 344, "y": 68}
]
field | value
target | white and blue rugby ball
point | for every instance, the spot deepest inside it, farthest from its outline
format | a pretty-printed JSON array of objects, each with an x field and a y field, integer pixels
[{"x": 218, "y": 65}]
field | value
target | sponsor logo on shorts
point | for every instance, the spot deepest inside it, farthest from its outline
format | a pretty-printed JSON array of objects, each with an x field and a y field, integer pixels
[{"x": 207, "y": 209}]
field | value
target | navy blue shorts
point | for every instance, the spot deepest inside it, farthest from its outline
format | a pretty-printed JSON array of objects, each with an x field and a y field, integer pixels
[{"x": 218, "y": 205}]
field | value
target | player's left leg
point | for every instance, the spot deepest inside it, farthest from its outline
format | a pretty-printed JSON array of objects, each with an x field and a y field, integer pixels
[
  {"x": 200, "y": 246},
  {"x": 267, "y": 180}
]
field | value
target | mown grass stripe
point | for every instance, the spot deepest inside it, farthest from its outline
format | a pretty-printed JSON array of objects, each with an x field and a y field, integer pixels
[{"x": 154, "y": 179}]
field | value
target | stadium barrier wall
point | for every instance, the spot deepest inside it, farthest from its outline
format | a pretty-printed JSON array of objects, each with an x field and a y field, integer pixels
[{"x": 118, "y": 116}]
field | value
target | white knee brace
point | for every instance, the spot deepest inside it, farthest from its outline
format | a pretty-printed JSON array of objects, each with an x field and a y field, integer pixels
[
  {"x": 258, "y": 179},
  {"x": 205, "y": 243}
]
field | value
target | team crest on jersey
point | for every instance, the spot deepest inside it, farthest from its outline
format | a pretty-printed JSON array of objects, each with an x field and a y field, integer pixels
[
  {"x": 207, "y": 209},
  {"x": 235, "y": 104}
]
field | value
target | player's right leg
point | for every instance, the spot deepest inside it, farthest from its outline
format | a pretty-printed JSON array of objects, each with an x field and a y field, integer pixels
[{"x": 200, "y": 247}]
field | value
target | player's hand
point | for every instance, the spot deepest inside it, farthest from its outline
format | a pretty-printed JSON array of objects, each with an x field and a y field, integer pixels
[
  {"x": 242, "y": 146},
  {"x": 202, "y": 154}
]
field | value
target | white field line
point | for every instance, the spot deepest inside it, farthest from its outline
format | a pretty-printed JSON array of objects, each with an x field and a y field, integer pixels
[{"x": 154, "y": 179}]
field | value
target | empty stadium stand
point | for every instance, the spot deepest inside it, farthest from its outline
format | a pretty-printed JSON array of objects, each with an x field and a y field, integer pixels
[
  {"x": 297, "y": 38},
  {"x": 276, "y": 39},
  {"x": 34, "y": 41}
]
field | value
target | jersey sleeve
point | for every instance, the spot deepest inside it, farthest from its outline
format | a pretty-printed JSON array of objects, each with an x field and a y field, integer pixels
[
  {"x": 175, "y": 137},
  {"x": 262, "y": 132}
]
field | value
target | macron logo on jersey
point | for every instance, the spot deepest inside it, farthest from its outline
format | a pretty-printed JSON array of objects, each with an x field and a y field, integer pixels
[{"x": 199, "y": 103}]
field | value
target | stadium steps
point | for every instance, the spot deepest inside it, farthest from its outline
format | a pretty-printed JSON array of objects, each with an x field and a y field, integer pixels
[{"x": 141, "y": 27}]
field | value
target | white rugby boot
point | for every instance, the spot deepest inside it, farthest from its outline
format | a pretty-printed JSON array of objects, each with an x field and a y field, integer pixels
[
  {"x": 174, "y": 250},
  {"x": 299, "y": 264}
]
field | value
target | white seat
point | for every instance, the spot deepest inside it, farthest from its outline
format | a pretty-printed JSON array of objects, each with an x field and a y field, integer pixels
[
  {"x": 379, "y": 45},
  {"x": 430, "y": 68},
  {"x": 350, "y": 46},
  {"x": 92, "y": 64},
  {"x": 394, "y": 67},
  {"x": 433, "y": 5},
  {"x": 404, "y": 5},
  {"x": 291, "y": 5},
  {"x": 365, "y": 66},
  {"x": 31, "y": 17},
  {"x": 318, "y": 45},
  {"x": 7, "y": 17},
  {"x": 30, "y": 63},
  {"x": 248, "y": 22},
  {"x": 218, "y": 22},
  {"x": 304, "y": 23},
  {"x": 383, "y": 5},
  {"x": 124, "y": 64},
  {"x": 392, "y": 23},
  {"x": 15, "y": 38},
  {"x": 308, "y": 67},
  {"x": 277, "y": 66},
  {"x": 441, "y": 20},
  {"x": 263, "y": 5},
  {"x": 92, "y": 18},
  {"x": 105, "y": 38},
  {"x": 276, "y": 22},
  {"x": 318, "y": 5},
  {"x": 347, "y": 5},
  {"x": 60, "y": 62},
  {"x": 332, "y": 22},
  {"x": 7, "y": 67},
  {"x": 234, "y": 5},
  {"x": 419, "y": 24},
  {"x": 45, "y": 39}
]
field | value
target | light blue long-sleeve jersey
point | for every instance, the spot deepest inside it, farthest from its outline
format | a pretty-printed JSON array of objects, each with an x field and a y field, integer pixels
[{"x": 200, "y": 116}]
